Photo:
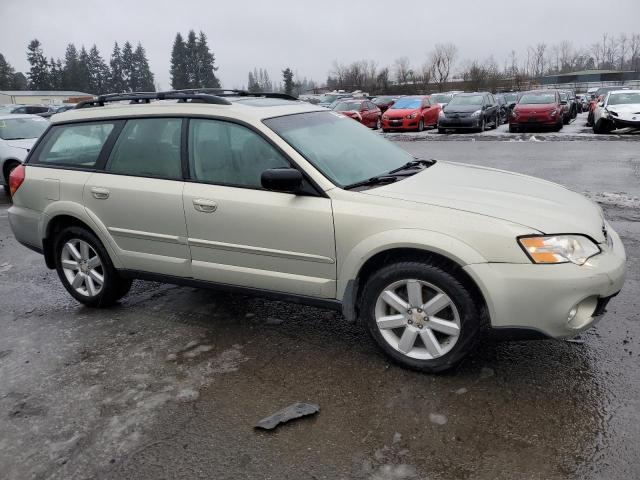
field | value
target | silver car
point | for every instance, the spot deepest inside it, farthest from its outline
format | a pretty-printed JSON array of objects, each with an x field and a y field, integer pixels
[
  {"x": 18, "y": 133},
  {"x": 289, "y": 200}
]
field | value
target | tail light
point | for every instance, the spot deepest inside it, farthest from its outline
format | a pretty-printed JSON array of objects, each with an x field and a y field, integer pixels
[{"x": 16, "y": 178}]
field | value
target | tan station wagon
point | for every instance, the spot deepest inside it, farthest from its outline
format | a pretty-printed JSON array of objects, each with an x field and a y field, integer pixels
[{"x": 281, "y": 198}]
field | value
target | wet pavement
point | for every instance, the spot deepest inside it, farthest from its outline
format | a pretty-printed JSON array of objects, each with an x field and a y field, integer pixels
[{"x": 170, "y": 383}]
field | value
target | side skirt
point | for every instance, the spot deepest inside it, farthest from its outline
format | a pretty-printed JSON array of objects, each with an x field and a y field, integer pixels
[{"x": 326, "y": 303}]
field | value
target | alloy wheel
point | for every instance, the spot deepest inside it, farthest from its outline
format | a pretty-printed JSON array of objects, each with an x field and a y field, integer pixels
[
  {"x": 82, "y": 267},
  {"x": 418, "y": 319}
]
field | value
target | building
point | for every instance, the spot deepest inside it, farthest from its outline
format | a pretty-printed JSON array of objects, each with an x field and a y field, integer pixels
[
  {"x": 585, "y": 79},
  {"x": 30, "y": 97}
]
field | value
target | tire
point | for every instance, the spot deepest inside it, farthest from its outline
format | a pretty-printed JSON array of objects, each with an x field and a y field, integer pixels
[
  {"x": 482, "y": 126},
  {"x": 513, "y": 129},
  {"x": 421, "y": 125},
  {"x": 378, "y": 124},
  {"x": 590, "y": 119},
  {"x": 559, "y": 126},
  {"x": 496, "y": 121},
  {"x": 601, "y": 127},
  {"x": 87, "y": 270},
  {"x": 386, "y": 130},
  {"x": 459, "y": 324},
  {"x": 566, "y": 120},
  {"x": 442, "y": 130}
]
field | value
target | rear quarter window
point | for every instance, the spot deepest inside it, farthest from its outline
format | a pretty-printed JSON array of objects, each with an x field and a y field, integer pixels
[{"x": 73, "y": 145}]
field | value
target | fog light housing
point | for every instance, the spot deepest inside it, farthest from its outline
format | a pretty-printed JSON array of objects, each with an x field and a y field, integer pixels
[
  {"x": 572, "y": 313},
  {"x": 581, "y": 314}
]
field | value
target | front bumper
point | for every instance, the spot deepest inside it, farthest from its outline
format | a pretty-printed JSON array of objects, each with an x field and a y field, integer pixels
[
  {"x": 623, "y": 123},
  {"x": 540, "y": 297},
  {"x": 400, "y": 123},
  {"x": 460, "y": 122}
]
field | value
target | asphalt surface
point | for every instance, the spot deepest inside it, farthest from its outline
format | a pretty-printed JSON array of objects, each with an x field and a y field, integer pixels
[{"x": 170, "y": 383}]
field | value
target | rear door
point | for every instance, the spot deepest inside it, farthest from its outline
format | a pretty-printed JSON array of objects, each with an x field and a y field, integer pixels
[
  {"x": 242, "y": 234},
  {"x": 137, "y": 199}
]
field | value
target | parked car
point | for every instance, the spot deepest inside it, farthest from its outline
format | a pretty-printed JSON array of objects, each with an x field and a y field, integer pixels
[
  {"x": 537, "y": 108},
  {"x": 442, "y": 98},
  {"x": 54, "y": 109},
  {"x": 619, "y": 109},
  {"x": 583, "y": 102},
  {"x": 364, "y": 111},
  {"x": 328, "y": 98},
  {"x": 411, "y": 113},
  {"x": 310, "y": 207},
  {"x": 504, "y": 108},
  {"x": 18, "y": 133},
  {"x": 24, "y": 109},
  {"x": 598, "y": 97},
  {"x": 385, "y": 101},
  {"x": 565, "y": 104},
  {"x": 470, "y": 111},
  {"x": 572, "y": 101}
]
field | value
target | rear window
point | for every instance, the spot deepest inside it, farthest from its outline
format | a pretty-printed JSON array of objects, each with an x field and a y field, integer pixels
[
  {"x": 76, "y": 145},
  {"x": 22, "y": 128}
]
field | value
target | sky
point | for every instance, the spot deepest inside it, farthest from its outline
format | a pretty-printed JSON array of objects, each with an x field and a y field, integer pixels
[{"x": 308, "y": 35}]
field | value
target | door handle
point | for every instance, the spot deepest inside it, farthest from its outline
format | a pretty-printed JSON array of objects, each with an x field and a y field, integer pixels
[
  {"x": 100, "y": 193},
  {"x": 204, "y": 205}
]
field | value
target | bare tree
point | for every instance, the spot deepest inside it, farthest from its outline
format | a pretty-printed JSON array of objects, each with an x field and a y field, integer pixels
[
  {"x": 634, "y": 52},
  {"x": 442, "y": 58},
  {"x": 402, "y": 69},
  {"x": 622, "y": 50},
  {"x": 566, "y": 56},
  {"x": 538, "y": 59}
]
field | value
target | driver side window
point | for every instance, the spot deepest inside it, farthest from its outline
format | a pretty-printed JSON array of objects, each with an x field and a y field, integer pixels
[{"x": 229, "y": 154}]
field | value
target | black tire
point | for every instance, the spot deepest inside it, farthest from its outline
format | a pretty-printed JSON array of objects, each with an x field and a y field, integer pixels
[
  {"x": 471, "y": 323},
  {"x": 421, "y": 125},
  {"x": 513, "y": 129},
  {"x": 378, "y": 124},
  {"x": 496, "y": 121},
  {"x": 590, "y": 119},
  {"x": 442, "y": 130},
  {"x": 566, "y": 119},
  {"x": 114, "y": 286},
  {"x": 386, "y": 130},
  {"x": 482, "y": 126},
  {"x": 601, "y": 127}
]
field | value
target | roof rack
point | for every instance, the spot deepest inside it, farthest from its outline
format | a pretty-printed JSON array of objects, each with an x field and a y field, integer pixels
[
  {"x": 227, "y": 92},
  {"x": 146, "y": 97}
]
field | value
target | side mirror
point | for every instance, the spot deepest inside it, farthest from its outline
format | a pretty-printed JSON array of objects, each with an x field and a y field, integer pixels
[
  {"x": 512, "y": 105},
  {"x": 287, "y": 180},
  {"x": 601, "y": 104}
]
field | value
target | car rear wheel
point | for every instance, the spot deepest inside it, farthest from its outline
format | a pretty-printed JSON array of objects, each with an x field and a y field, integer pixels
[
  {"x": 513, "y": 129},
  {"x": 442, "y": 130},
  {"x": 85, "y": 269},
  {"x": 420, "y": 315}
]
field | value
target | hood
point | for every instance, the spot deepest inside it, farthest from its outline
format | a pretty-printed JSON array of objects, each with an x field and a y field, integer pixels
[
  {"x": 538, "y": 107},
  {"x": 625, "y": 109},
  {"x": 462, "y": 108},
  {"x": 25, "y": 143},
  {"x": 534, "y": 203},
  {"x": 400, "y": 112}
]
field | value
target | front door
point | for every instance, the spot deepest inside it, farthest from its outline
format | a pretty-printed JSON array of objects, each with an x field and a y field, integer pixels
[{"x": 241, "y": 234}]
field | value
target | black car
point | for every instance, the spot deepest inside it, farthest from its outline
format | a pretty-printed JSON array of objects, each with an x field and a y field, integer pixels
[
  {"x": 504, "y": 107},
  {"x": 20, "y": 109},
  {"x": 475, "y": 111}
]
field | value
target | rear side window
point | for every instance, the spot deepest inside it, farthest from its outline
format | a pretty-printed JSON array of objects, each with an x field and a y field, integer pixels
[
  {"x": 76, "y": 145},
  {"x": 148, "y": 147},
  {"x": 229, "y": 154}
]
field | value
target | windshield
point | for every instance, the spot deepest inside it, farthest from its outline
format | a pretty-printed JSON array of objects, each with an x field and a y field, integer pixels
[
  {"x": 537, "y": 98},
  {"x": 404, "y": 103},
  {"x": 441, "y": 98},
  {"x": 347, "y": 106},
  {"x": 343, "y": 150},
  {"x": 564, "y": 96},
  {"x": 624, "y": 98},
  {"x": 466, "y": 100},
  {"x": 20, "y": 128},
  {"x": 382, "y": 100},
  {"x": 511, "y": 97}
]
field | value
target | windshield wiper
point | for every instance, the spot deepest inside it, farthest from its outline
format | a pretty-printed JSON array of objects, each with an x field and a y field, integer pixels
[
  {"x": 413, "y": 164},
  {"x": 373, "y": 181}
]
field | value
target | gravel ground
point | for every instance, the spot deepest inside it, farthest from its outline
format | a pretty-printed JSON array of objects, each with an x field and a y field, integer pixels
[{"x": 170, "y": 383}]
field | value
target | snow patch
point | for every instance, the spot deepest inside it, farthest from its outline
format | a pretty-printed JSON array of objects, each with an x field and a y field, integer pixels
[{"x": 614, "y": 199}]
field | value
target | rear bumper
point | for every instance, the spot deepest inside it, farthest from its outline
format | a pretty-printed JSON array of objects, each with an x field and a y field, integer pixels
[
  {"x": 539, "y": 297},
  {"x": 25, "y": 224}
]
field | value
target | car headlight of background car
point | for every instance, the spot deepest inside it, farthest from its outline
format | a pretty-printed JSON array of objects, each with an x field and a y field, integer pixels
[
  {"x": 476, "y": 113},
  {"x": 559, "y": 248},
  {"x": 442, "y": 114},
  {"x": 411, "y": 116}
]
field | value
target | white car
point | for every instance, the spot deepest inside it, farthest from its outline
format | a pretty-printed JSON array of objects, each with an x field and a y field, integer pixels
[
  {"x": 619, "y": 109},
  {"x": 18, "y": 133},
  {"x": 281, "y": 198}
]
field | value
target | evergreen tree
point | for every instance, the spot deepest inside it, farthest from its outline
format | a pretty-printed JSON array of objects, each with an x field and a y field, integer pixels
[
  {"x": 128, "y": 68},
  {"x": 19, "y": 81},
  {"x": 252, "y": 85},
  {"x": 6, "y": 74},
  {"x": 70, "y": 69},
  {"x": 206, "y": 64},
  {"x": 116, "y": 81},
  {"x": 83, "y": 80},
  {"x": 179, "y": 76},
  {"x": 192, "y": 70},
  {"x": 55, "y": 74},
  {"x": 287, "y": 77},
  {"x": 141, "y": 71},
  {"x": 98, "y": 72},
  {"x": 39, "y": 71}
]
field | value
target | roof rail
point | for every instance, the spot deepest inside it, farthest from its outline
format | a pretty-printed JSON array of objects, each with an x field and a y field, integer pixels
[
  {"x": 146, "y": 97},
  {"x": 228, "y": 92}
]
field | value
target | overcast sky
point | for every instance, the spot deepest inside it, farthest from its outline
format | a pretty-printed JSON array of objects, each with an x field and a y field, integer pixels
[{"x": 307, "y": 35}]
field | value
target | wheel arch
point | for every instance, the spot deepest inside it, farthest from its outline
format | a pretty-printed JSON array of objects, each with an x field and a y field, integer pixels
[{"x": 5, "y": 168}]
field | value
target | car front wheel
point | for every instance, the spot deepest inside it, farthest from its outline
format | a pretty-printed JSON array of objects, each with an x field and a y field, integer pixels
[
  {"x": 421, "y": 316},
  {"x": 85, "y": 269}
]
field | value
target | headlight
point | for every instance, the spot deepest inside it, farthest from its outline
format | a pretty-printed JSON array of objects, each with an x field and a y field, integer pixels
[
  {"x": 476, "y": 113},
  {"x": 412, "y": 115},
  {"x": 441, "y": 114},
  {"x": 559, "y": 248},
  {"x": 553, "y": 112}
]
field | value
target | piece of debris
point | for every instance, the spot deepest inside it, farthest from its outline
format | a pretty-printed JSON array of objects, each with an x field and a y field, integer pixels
[
  {"x": 577, "y": 339},
  {"x": 274, "y": 321},
  {"x": 397, "y": 437},
  {"x": 5, "y": 267},
  {"x": 437, "y": 418},
  {"x": 461, "y": 391},
  {"x": 296, "y": 410}
]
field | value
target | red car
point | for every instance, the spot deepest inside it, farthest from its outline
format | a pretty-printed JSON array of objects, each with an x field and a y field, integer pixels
[
  {"x": 538, "y": 108},
  {"x": 411, "y": 113},
  {"x": 364, "y": 111}
]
